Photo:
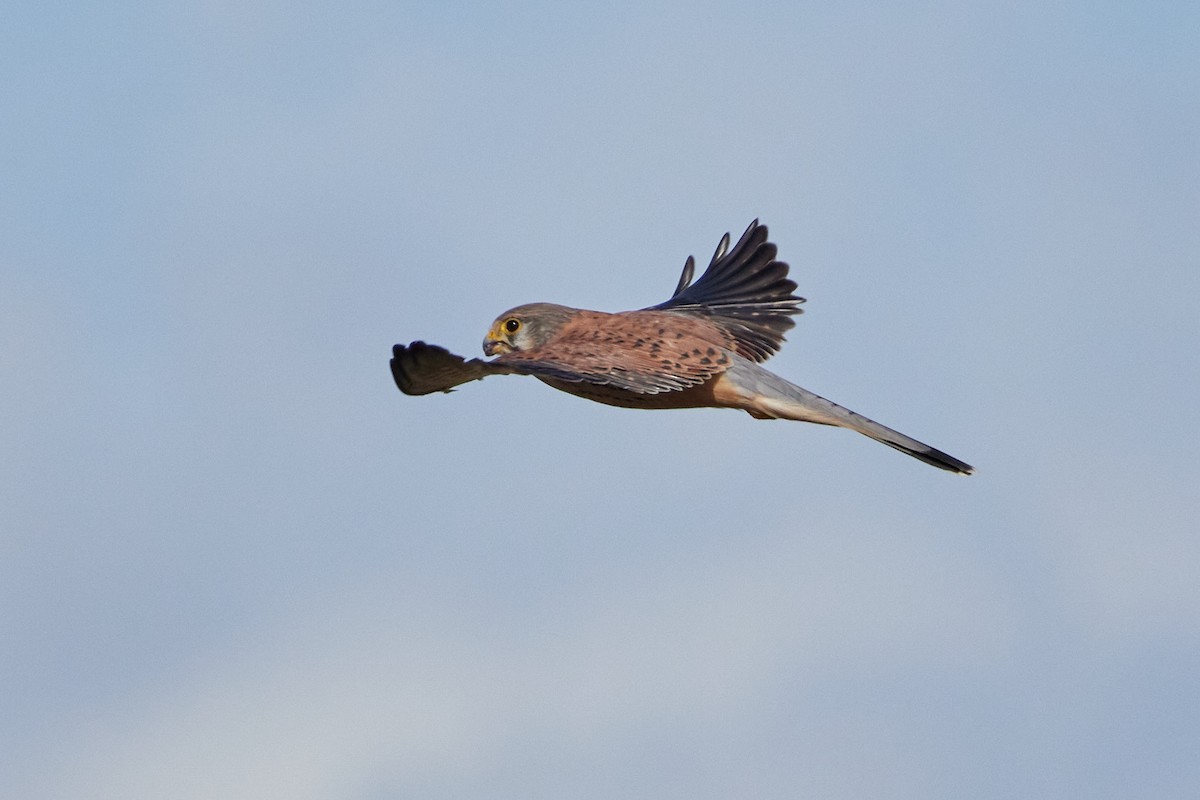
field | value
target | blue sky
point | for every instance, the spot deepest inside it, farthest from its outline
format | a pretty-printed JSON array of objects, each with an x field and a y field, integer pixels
[{"x": 236, "y": 562}]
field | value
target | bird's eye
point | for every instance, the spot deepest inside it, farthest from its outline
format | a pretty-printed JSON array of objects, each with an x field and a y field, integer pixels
[{"x": 512, "y": 325}]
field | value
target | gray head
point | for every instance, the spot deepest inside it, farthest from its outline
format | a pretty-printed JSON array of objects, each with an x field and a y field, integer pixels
[{"x": 526, "y": 327}]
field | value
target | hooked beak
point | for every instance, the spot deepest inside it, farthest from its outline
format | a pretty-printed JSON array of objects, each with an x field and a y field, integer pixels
[{"x": 493, "y": 346}]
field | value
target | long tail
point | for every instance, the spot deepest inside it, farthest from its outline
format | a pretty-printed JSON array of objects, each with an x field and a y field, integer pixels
[{"x": 767, "y": 396}]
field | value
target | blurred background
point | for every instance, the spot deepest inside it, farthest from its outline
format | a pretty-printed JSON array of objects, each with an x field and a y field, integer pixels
[{"x": 235, "y": 562}]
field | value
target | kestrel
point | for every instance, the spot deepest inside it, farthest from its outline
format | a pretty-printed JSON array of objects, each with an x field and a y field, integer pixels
[{"x": 700, "y": 349}]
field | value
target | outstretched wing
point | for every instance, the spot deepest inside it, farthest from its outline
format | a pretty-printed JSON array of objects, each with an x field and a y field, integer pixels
[
  {"x": 745, "y": 291},
  {"x": 421, "y": 368}
]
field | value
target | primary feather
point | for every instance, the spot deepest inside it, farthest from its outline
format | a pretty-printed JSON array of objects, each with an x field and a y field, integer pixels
[{"x": 744, "y": 290}]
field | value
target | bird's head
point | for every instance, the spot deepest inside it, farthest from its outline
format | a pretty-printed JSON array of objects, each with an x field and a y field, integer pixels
[{"x": 525, "y": 327}]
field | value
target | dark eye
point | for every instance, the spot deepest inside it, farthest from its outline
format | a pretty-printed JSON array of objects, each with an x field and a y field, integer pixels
[{"x": 512, "y": 325}]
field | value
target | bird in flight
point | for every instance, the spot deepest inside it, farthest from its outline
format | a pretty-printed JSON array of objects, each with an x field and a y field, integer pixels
[{"x": 700, "y": 349}]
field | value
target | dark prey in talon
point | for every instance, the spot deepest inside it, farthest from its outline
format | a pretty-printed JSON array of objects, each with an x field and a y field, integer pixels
[{"x": 700, "y": 349}]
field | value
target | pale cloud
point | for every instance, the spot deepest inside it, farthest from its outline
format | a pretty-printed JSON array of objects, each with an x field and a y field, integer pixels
[{"x": 359, "y": 686}]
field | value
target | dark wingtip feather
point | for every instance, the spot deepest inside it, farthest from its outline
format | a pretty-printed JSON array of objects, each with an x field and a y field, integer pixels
[
  {"x": 745, "y": 290},
  {"x": 689, "y": 269},
  {"x": 404, "y": 358}
]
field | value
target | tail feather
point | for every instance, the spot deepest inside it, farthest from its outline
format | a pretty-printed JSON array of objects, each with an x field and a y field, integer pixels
[{"x": 772, "y": 397}]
